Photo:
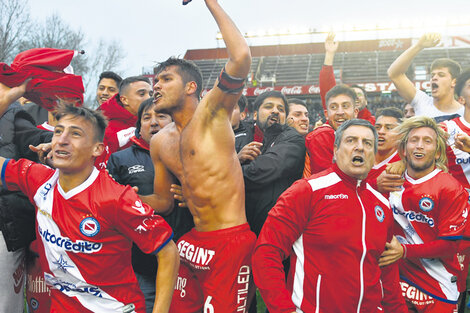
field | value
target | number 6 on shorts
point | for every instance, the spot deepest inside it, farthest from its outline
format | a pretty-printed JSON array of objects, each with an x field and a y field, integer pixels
[{"x": 208, "y": 308}]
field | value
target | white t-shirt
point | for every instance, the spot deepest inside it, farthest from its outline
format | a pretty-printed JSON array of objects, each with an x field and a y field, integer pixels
[{"x": 424, "y": 106}]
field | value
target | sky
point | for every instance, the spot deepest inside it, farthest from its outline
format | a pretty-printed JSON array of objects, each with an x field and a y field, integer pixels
[{"x": 152, "y": 30}]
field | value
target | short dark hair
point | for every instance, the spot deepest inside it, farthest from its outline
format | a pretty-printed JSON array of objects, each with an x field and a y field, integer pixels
[
  {"x": 341, "y": 90},
  {"x": 144, "y": 107},
  {"x": 187, "y": 69},
  {"x": 96, "y": 118},
  {"x": 297, "y": 101},
  {"x": 270, "y": 94},
  {"x": 111, "y": 75},
  {"x": 453, "y": 67},
  {"x": 355, "y": 122},
  {"x": 242, "y": 102},
  {"x": 391, "y": 112},
  {"x": 132, "y": 79},
  {"x": 461, "y": 80}
]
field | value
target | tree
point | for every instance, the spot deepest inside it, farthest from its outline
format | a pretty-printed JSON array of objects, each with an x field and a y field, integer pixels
[{"x": 14, "y": 25}]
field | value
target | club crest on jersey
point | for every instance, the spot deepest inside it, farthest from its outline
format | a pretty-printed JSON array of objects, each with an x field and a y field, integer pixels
[
  {"x": 379, "y": 213},
  {"x": 89, "y": 227},
  {"x": 426, "y": 204}
]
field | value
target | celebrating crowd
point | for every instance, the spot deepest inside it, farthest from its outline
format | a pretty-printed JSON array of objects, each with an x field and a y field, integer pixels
[{"x": 163, "y": 201}]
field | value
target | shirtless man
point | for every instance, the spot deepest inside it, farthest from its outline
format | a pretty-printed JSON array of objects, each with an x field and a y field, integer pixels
[{"x": 198, "y": 150}]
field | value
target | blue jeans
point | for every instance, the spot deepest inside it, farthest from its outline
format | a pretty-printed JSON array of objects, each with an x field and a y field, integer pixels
[{"x": 147, "y": 285}]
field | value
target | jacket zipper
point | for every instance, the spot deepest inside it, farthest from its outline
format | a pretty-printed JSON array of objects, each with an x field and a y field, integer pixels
[{"x": 364, "y": 251}]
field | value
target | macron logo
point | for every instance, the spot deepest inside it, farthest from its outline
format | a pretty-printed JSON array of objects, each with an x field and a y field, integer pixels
[{"x": 340, "y": 196}]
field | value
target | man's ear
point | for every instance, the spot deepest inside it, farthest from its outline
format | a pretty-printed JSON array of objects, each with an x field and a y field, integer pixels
[
  {"x": 242, "y": 115},
  {"x": 123, "y": 100},
  {"x": 98, "y": 149},
  {"x": 356, "y": 111},
  {"x": 191, "y": 88},
  {"x": 255, "y": 115}
]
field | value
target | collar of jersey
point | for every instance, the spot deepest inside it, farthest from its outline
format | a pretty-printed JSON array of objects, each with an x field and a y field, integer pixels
[
  {"x": 422, "y": 179},
  {"x": 79, "y": 188}
]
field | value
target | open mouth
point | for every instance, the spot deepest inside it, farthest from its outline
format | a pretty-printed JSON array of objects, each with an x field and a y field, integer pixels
[
  {"x": 418, "y": 155},
  {"x": 358, "y": 160},
  {"x": 381, "y": 140},
  {"x": 434, "y": 86},
  {"x": 156, "y": 96},
  {"x": 273, "y": 119},
  {"x": 61, "y": 153}
]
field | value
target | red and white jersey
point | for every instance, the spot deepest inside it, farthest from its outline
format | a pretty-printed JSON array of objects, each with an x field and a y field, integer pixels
[
  {"x": 334, "y": 228},
  {"x": 377, "y": 169},
  {"x": 46, "y": 126},
  {"x": 431, "y": 208},
  {"x": 458, "y": 160},
  {"x": 86, "y": 236}
]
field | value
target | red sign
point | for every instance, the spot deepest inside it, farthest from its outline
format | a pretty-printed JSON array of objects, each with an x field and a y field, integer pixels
[{"x": 315, "y": 89}]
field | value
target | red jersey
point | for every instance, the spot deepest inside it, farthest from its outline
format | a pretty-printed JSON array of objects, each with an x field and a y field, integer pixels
[
  {"x": 86, "y": 236},
  {"x": 458, "y": 160},
  {"x": 46, "y": 126},
  {"x": 334, "y": 228},
  {"x": 425, "y": 210},
  {"x": 121, "y": 128},
  {"x": 377, "y": 169},
  {"x": 320, "y": 144}
]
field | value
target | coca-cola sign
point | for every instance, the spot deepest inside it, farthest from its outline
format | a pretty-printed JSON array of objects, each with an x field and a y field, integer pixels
[{"x": 315, "y": 89}]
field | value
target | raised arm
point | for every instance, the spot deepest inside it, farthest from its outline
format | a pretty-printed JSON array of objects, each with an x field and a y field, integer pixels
[
  {"x": 168, "y": 264},
  {"x": 330, "y": 49},
  {"x": 9, "y": 95},
  {"x": 327, "y": 77},
  {"x": 237, "y": 66},
  {"x": 398, "y": 68}
]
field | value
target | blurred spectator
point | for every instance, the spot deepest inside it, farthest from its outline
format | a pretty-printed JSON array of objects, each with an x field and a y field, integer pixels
[
  {"x": 299, "y": 120},
  {"x": 320, "y": 143},
  {"x": 441, "y": 104},
  {"x": 108, "y": 86},
  {"x": 242, "y": 130},
  {"x": 361, "y": 103},
  {"x": 408, "y": 110},
  {"x": 121, "y": 111},
  {"x": 133, "y": 166},
  {"x": 298, "y": 116},
  {"x": 271, "y": 167}
]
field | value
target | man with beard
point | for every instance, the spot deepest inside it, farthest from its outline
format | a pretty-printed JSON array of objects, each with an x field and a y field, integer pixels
[
  {"x": 270, "y": 167},
  {"x": 340, "y": 105},
  {"x": 444, "y": 72},
  {"x": 431, "y": 216},
  {"x": 334, "y": 227},
  {"x": 198, "y": 149}
]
